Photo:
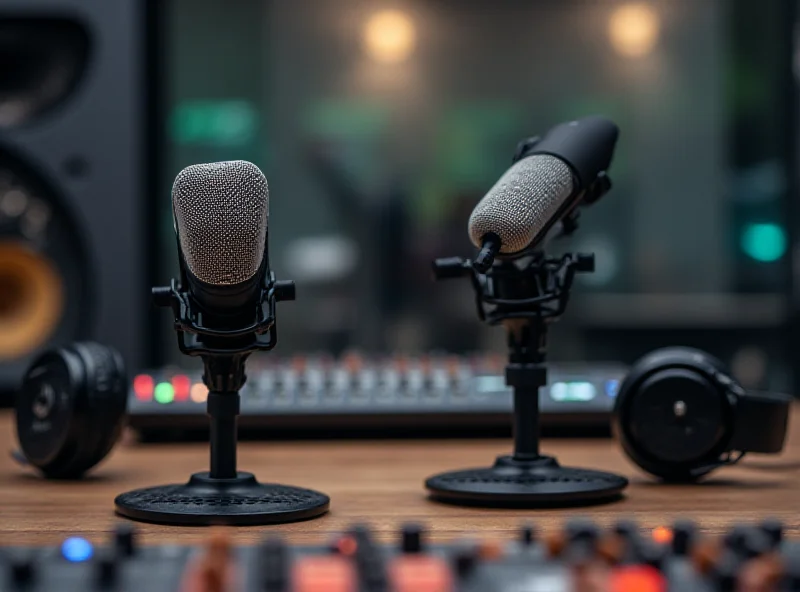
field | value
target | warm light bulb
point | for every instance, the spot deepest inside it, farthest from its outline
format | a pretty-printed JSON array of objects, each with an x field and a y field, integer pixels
[
  {"x": 389, "y": 36},
  {"x": 633, "y": 29}
]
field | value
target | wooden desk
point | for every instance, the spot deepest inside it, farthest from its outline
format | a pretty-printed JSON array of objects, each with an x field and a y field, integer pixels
[{"x": 382, "y": 483}]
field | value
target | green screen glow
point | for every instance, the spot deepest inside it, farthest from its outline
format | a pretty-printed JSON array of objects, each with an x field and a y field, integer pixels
[
  {"x": 219, "y": 123},
  {"x": 764, "y": 242}
]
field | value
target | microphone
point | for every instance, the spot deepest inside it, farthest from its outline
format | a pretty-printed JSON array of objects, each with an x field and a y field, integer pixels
[
  {"x": 221, "y": 215},
  {"x": 550, "y": 177},
  {"x": 224, "y": 311}
]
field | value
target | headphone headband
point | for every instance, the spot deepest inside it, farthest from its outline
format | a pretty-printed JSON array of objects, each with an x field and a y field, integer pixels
[{"x": 760, "y": 422}]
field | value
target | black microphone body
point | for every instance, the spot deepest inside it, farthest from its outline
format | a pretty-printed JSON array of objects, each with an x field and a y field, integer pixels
[
  {"x": 226, "y": 307},
  {"x": 551, "y": 176},
  {"x": 586, "y": 145}
]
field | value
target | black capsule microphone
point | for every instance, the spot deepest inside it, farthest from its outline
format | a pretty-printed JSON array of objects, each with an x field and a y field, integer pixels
[
  {"x": 221, "y": 213},
  {"x": 550, "y": 177},
  {"x": 224, "y": 307}
]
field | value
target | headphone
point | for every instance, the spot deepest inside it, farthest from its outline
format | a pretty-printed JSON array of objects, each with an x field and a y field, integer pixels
[
  {"x": 679, "y": 415},
  {"x": 71, "y": 409}
]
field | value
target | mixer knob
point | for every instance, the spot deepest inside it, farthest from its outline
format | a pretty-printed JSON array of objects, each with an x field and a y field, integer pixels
[
  {"x": 582, "y": 539},
  {"x": 650, "y": 554},
  {"x": 106, "y": 570},
  {"x": 412, "y": 538},
  {"x": 792, "y": 574},
  {"x": 22, "y": 571},
  {"x": 369, "y": 560},
  {"x": 627, "y": 529},
  {"x": 756, "y": 543},
  {"x": 527, "y": 535},
  {"x": 274, "y": 563},
  {"x": 774, "y": 531},
  {"x": 627, "y": 532},
  {"x": 726, "y": 572},
  {"x": 736, "y": 539},
  {"x": 582, "y": 530},
  {"x": 465, "y": 560},
  {"x": 683, "y": 537},
  {"x": 125, "y": 540}
]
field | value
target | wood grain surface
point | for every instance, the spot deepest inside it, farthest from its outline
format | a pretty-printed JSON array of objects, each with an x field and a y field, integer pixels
[{"x": 381, "y": 483}]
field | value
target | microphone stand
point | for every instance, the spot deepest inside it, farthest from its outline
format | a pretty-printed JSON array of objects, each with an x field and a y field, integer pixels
[
  {"x": 524, "y": 294},
  {"x": 223, "y": 495}
]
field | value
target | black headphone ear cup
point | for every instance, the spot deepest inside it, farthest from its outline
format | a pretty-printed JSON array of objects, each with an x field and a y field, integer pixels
[
  {"x": 671, "y": 416},
  {"x": 49, "y": 425},
  {"x": 87, "y": 389},
  {"x": 107, "y": 399}
]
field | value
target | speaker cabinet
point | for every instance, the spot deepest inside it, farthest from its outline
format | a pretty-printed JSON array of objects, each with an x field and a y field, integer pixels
[{"x": 75, "y": 119}]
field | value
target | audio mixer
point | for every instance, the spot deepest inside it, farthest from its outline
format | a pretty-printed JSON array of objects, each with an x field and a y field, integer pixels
[
  {"x": 397, "y": 394},
  {"x": 579, "y": 558}
]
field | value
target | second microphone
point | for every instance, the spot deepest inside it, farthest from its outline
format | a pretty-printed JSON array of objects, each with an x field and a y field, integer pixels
[{"x": 551, "y": 176}]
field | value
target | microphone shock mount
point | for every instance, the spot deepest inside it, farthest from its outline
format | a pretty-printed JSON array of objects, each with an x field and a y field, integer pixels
[{"x": 524, "y": 294}]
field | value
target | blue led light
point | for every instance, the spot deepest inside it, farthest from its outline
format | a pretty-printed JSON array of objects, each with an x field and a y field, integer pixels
[
  {"x": 612, "y": 386},
  {"x": 76, "y": 549}
]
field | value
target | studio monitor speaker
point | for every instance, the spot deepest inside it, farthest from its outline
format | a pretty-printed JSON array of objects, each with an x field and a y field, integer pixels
[{"x": 76, "y": 117}]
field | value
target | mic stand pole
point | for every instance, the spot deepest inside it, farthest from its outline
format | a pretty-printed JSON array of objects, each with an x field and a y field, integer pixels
[
  {"x": 223, "y": 495},
  {"x": 525, "y": 295},
  {"x": 222, "y": 407}
]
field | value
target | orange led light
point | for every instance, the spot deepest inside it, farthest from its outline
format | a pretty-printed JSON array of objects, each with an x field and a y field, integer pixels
[
  {"x": 352, "y": 362},
  {"x": 299, "y": 364},
  {"x": 199, "y": 393},
  {"x": 347, "y": 546},
  {"x": 401, "y": 364},
  {"x": 662, "y": 535},
  {"x": 453, "y": 364}
]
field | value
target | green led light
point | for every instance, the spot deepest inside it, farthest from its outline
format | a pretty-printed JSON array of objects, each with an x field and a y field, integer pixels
[
  {"x": 164, "y": 393},
  {"x": 764, "y": 242}
]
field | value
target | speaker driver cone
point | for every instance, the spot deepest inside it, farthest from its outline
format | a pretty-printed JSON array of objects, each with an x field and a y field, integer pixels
[
  {"x": 31, "y": 300},
  {"x": 45, "y": 273}
]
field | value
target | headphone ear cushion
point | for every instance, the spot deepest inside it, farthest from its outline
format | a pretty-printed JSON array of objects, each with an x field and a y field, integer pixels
[
  {"x": 71, "y": 408},
  {"x": 107, "y": 402},
  {"x": 671, "y": 416}
]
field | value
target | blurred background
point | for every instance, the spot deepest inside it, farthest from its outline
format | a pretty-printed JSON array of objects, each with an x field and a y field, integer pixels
[{"x": 379, "y": 125}]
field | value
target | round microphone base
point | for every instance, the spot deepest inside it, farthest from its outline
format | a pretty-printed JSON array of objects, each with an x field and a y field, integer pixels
[
  {"x": 204, "y": 501},
  {"x": 540, "y": 482}
]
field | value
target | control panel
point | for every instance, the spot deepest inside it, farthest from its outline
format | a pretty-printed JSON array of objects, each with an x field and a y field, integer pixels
[
  {"x": 579, "y": 557},
  {"x": 401, "y": 392}
]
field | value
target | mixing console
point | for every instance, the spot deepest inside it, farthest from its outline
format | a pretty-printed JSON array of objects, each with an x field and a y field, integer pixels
[
  {"x": 435, "y": 392},
  {"x": 580, "y": 558}
]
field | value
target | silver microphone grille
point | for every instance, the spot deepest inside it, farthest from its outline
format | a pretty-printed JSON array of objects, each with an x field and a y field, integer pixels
[
  {"x": 221, "y": 214},
  {"x": 522, "y": 202}
]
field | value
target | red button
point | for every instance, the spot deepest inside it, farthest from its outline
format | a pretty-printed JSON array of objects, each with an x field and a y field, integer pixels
[
  {"x": 420, "y": 574},
  {"x": 324, "y": 574},
  {"x": 637, "y": 579}
]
